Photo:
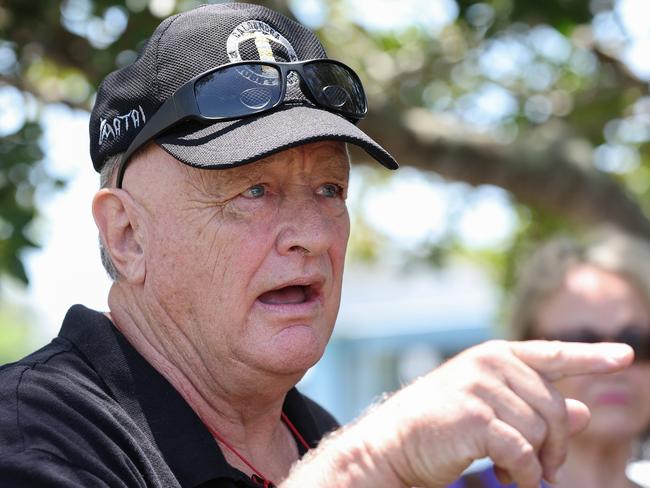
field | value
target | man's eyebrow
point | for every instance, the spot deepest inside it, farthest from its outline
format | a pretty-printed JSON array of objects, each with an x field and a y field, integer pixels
[
  {"x": 209, "y": 180},
  {"x": 247, "y": 173},
  {"x": 336, "y": 165}
]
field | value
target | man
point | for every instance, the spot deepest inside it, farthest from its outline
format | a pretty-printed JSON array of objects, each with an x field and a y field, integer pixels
[{"x": 223, "y": 224}]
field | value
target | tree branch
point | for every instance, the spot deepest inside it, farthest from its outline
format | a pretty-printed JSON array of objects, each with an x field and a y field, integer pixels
[{"x": 552, "y": 177}]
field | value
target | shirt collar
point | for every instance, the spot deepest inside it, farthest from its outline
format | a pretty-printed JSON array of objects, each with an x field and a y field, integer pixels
[{"x": 186, "y": 444}]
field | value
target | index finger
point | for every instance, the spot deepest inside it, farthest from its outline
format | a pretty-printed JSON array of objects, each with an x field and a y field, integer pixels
[{"x": 555, "y": 360}]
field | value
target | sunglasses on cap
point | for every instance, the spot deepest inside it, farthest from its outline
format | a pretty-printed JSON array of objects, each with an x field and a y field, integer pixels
[
  {"x": 246, "y": 88},
  {"x": 632, "y": 336}
]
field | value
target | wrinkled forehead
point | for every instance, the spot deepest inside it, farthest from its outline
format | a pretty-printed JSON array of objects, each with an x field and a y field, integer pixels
[
  {"x": 155, "y": 169},
  {"x": 322, "y": 156},
  {"x": 319, "y": 158}
]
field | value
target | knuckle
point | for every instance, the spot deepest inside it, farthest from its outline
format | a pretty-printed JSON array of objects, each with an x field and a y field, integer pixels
[
  {"x": 558, "y": 409},
  {"x": 480, "y": 387},
  {"x": 486, "y": 347},
  {"x": 538, "y": 433},
  {"x": 491, "y": 354},
  {"x": 555, "y": 406},
  {"x": 477, "y": 415},
  {"x": 525, "y": 455},
  {"x": 495, "y": 343},
  {"x": 555, "y": 352},
  {"x": 494, "y": 346}
]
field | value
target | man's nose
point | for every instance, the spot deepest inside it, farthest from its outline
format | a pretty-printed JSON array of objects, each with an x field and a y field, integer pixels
[{"x": 305, "y": 227}]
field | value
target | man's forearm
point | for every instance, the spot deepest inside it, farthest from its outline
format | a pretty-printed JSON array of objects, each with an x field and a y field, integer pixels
[{"x": 353, "y": 456}]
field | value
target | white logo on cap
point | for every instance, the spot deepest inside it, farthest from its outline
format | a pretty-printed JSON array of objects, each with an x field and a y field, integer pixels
[
  {"x": 264, "y": 37},
  {"x": 133, "y": 119}
]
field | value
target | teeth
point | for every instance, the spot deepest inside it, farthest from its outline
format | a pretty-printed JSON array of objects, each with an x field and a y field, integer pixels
[{"x": 287, "y": 295}]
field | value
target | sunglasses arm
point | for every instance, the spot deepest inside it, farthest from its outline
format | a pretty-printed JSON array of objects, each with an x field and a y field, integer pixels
[{"x": 164, "y": 118}]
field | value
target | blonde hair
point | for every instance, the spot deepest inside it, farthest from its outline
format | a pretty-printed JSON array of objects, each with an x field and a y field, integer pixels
[{"x": 544, "y": 272}]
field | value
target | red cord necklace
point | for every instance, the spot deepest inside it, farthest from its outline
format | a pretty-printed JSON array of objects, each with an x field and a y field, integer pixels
[{"x": 258, "y": 476}]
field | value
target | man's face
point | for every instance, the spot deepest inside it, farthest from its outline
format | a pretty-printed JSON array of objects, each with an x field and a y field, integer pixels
[{"x": 244, "y": 265}]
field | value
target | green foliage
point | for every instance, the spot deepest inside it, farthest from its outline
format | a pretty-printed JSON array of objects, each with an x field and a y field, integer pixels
[
  {"x": 17, "y": 332},
  {"x": 536, "y": 226},
  {"x": 564, "y": 87},
  {"x": 20, "y": 156}
]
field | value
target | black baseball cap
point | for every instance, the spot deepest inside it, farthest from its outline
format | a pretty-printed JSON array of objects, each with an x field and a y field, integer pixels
[{"x": 188, "y": 44}]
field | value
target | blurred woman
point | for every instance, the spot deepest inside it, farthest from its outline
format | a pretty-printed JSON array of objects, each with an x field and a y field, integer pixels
[{"x": 595, "y": 292}]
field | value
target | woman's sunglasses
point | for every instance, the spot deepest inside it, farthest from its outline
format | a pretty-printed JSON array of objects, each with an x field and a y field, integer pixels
[
  {"x": 246, "y": 88},
  {"x": 633, "y": 336}
]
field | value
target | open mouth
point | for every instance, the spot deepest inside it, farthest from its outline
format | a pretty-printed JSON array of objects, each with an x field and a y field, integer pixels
[{"x": 289, "y": 295}]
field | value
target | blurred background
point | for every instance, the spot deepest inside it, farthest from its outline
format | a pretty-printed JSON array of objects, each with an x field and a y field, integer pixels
[{"x": 512, "y": 120}]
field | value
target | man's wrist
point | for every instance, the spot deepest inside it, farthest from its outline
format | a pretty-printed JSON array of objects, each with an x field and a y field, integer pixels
[{"x": 355, "y": 456}]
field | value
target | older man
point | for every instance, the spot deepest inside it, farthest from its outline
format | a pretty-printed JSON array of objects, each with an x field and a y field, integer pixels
[{"x": 224, "y": 226}]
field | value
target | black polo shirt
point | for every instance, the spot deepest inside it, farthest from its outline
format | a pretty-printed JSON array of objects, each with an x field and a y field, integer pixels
[{"x": 88, "y": 410}]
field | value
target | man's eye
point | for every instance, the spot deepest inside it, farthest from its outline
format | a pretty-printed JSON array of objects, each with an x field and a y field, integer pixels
[
  {"x": 331, "y": 190},
  {"x": 255, "y": 191}
]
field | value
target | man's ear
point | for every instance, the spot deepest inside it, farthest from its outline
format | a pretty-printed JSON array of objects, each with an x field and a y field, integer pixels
[{"x": 118, "y": 220}]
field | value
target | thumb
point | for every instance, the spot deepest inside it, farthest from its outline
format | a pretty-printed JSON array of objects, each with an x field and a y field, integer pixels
[{"x": 579, "y": 416}]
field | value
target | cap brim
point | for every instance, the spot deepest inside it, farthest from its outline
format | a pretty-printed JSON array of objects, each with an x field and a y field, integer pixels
[{"x": 235, "y": 143}]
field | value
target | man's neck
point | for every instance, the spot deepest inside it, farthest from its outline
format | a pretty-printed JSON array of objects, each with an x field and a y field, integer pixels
[{"x": 241, "y": 406}]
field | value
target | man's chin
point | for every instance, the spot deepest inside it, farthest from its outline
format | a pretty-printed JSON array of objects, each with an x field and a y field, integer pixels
[{"x": 294, "y": 350}]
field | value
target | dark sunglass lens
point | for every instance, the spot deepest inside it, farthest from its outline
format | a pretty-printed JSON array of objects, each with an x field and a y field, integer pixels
[
  {"x": 255, "y": 98},
  {"x": 336, "y": 87},
  {"x": 238, "y": 90},
  {"x": 589, "y": 336},
  {"x": 336, "y": 96},
  {"x": 642, "y": 351},
  {"x": 581, "y": 335},
  {"x": 638, "y": 341}
]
